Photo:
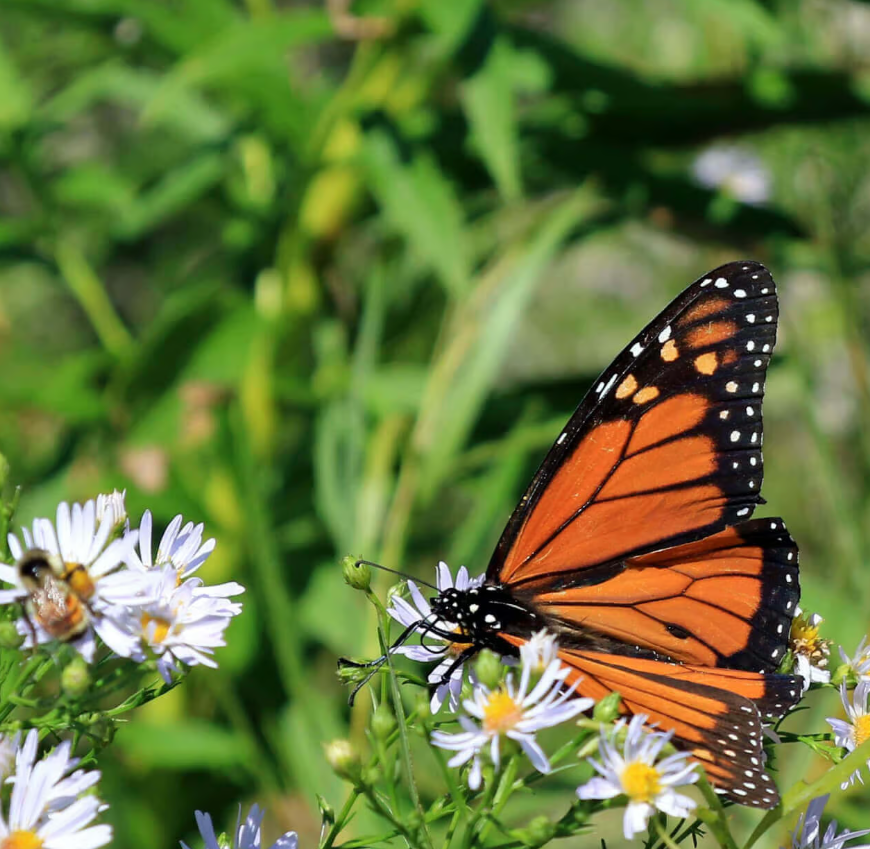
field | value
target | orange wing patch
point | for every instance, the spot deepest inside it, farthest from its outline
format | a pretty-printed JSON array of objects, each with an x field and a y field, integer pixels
[
  {"x": 667, "y": 419},
  {"x": 711, "y": 334},
  {"x": 726, "y": 600},
  {"x": 703, "y": 309}
]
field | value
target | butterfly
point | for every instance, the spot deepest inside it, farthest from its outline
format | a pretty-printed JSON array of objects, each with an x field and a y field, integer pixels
[{"x": 634, "y": 545}]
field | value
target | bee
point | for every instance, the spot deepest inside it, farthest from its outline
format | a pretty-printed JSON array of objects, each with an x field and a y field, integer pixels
[{"x": 59, "y": 595}]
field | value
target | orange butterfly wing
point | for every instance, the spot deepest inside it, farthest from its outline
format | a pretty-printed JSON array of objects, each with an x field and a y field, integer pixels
[
  {"x": 669, "y": 438},
  {"x": 726, "y": 600},
  {"x": 632, "y": 541}
]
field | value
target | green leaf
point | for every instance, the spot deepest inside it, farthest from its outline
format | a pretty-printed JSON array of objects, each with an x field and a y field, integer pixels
[
  {"x": 488, "y": 99},
  {"x": 422, "y": 205},
  {"x": 170, "y": 195},
  {"x": 16, "y": 100},
  {"x": 115, "y": 83},
  {"x": 483, "y": 334},
  {"x": 246, "y": 52}
]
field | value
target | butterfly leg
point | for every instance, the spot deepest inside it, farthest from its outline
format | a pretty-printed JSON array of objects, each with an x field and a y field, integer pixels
[
  {"x": 465, "y": 654},
  {"x": 376, "y": 664}
]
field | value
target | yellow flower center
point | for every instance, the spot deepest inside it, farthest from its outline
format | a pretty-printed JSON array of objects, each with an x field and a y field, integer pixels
[
  {"x": 501, "y": 713},
  {"x": 21, "y": 840},
  {"x": 805, "y": 640},
  {"x": 861, "y": 729},
  {"x": 641, "y": 782},
  {"x": 160, "y": 631}
]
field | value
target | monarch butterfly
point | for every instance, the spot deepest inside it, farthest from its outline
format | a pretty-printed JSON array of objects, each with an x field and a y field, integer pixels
[{"x": 634, "y": 545}]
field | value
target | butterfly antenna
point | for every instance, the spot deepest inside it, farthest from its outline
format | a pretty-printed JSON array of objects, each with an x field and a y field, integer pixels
[{"x": 396, "y": 572}]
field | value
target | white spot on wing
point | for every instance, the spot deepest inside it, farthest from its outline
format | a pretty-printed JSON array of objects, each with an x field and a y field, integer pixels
[
  {"x": 608, "y": 385},
  {"x": 636, "y": 349},
  {"x": 665, "y": 334},
  {"x": 721, "y": 283}
]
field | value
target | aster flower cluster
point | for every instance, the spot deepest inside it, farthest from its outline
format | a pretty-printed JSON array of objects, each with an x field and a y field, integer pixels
[
  {"x": 51, "y": 804},
  {"x": 100, "y": 578},
  {"x": 632, "y": 762}
]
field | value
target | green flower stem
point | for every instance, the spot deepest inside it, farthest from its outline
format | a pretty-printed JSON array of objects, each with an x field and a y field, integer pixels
[
  {"x": 89, "y": 291},
  {"x": 714, "y": 816},
  {"x": 341, "y": 819},
  {"x": 399, "y": 710},
  {"x": 505, "y": 788},
  {"x": 663, "y": 834}
]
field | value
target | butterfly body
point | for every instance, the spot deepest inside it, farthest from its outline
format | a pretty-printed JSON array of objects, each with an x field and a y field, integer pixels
[{"x": 634, "y": 543}]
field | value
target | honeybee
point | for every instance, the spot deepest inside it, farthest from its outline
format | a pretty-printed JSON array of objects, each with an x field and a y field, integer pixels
[{"x": 58, "y": 594}]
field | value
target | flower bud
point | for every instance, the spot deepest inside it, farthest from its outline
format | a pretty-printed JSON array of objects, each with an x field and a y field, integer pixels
[
  {"x": 76, "y": 677},
  {"x": 539, "y": 831},
  {"x": 607, "y": 710},
  {"x": 9, "y": 636},
  {"x": 383, "y": 721},
  {"x": 327, "y": 812},
  {"x": 489, "y": 669},
  {"x": 357, "y": 573},
  {"x": 343, "y": 759}
]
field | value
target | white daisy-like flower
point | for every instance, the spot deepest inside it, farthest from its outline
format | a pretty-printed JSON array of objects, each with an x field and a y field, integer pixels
[
  {"x": 185, "y": 625},
  {"x": 634, "y": 773},
  {"x": 810, "y": 649},
  {"x": 112, "y": 507},
  {"x": 735, "y": 170},
  {"x": 859, "y": 663},
  {"x": 514, "y": 711},
  {"x": 90, "y": 561},
  {"x": 540, "y": 651},
  {"x": 246, "y": 834},
  {"x": 432, "y": 648},
  {"x": 852, "y": 732},
  {"x": 182, "y": 547},
  {"x": 47, "y": 808},
  {"x": 808, "y": 834}
]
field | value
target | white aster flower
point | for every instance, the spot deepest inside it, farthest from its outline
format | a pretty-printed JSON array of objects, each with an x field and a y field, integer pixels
[
  {"x": 808, "y": 834},
  {"x": 516, "y": 712},
  {"x": 810, "y": 650},
  {"x": 112, "y": 508},
  {"x": 246, "y": 834},
  {"x": 852, "y": 732},
  {"x": 859, "y": 663},
  {"x": 92, "y": 561},
  {"x": 185, "y": 625},
  {"x": 540, "y": 651},
  {"x": 47, "y": 808},
  {"x": 432, "y": 648},
  {"x": 634, "y": 773},
  {"x": 735, "y": 170},
  {"x": 182, "y": 547}
]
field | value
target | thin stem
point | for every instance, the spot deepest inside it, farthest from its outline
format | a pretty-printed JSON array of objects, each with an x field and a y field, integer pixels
[
  {"x": 714, "y": 816},
  {"x": 341, "y": 819},
  {"x": 89, "y": 291}
]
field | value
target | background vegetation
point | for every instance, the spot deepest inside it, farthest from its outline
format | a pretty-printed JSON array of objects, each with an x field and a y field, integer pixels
[{"x": 331, "y": 283}]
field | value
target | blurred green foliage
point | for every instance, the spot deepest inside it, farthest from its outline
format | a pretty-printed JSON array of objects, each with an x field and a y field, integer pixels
[{"x": 331, "y": 279}]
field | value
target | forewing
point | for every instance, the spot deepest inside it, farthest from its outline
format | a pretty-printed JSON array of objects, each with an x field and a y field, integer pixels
[{"x": 665, "y": 448}]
